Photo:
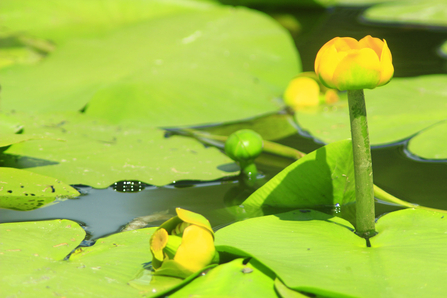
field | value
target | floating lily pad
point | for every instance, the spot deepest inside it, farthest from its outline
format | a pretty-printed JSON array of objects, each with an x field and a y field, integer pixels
[
  {"x": 23, "y": 190},
  {"x": 282, "y": 3},
  {"x": 309, "y": 252},
  {"x": 32, "y": 256},
  {"x": 65, "y": 19},
  {"x": 443, "y": 50},
  {"x": 359, "y": 2},
  {"x": 166, "y": 68},
  {"x": 396, "y": 111},
  {"x": 425, "y": 13},
  {"x": 233, "y": 279},
  {"x": 98, "y": 155},
  {"x": 430, "y": 143}
]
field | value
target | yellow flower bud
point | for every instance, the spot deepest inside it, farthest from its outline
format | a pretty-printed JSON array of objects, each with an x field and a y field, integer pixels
[{"x": 344, "y": 63}]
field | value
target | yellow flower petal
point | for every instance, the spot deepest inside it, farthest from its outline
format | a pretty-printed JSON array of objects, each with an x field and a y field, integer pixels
[
  {"x": 360, "y": 69},
  {"x": 158, "y": 242},
  {"x": 329, "y": 61},
  {"x": 194, "y": 218},
  {"x": 373, "y": 43},
  {"x": 386, "y": 63},
  {"x": 197, "y": 249},
  {"x": 302, "y": 92}
]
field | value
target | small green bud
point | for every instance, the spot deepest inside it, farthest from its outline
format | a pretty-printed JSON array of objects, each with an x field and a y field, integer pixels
[{"x": 244, "y": 145}]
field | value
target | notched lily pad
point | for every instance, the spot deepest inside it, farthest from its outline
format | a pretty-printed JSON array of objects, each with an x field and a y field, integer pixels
[
  {"x": 430, "y": 143},
  {"x": 24, "y": 190},
  {"x": 396, "y": 111},
  {"x": 99, "y": 154},
  {"x": 425, "y": 13},
  {"x": 32, "y": 257}
]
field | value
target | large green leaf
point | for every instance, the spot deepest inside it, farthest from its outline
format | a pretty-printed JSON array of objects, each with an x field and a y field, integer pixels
[
  {"x": 233, "y": 279},
  {"x": 202, "y": 65},
  {"x": 62, "y": 20},
  {"x": 324, "y": 177},
  {"x": 396, "y": 111},
  {"x": 32, "y": 256},
  {"x": 23, "y": 190},
  {"x": 430, "y": 143},
  {"x": 312, "y": 253},
  {"x": 427, "y": 12},
  {"x": 98, "y": 155}
]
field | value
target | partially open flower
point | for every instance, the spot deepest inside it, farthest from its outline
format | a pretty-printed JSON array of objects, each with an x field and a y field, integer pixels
[
  {"x": 344, "y": 63},
  {"x": 182, "y": 245},
  {"x": 306, "y": 90}
]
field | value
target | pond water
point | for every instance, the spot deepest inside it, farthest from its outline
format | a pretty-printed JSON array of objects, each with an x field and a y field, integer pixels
[{"x": 414, "y": 53}]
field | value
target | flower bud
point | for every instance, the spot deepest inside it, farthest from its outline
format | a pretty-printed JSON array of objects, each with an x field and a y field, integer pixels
[{"x": 344, "y": 63}]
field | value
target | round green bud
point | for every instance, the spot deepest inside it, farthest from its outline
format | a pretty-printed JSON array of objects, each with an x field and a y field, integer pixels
[{"x": 244, "y": 145}]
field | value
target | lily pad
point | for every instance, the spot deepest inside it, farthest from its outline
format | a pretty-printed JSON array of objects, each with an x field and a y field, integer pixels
[
  {"x": 203, "y": 65},
  {"x": 443, "y": 50},
  {"x": 396, "y": 111},
  {"x": 233, "y": 279},
  {"x": 324, "y": 177},
  {"x": 32, "y": 256},
  {"x": 23, "y": 190},
  {"x": 98, "y": 155},
  {"x": 425, "y": 13},
  {"x": 309, "y": 252},
  {"x": 430, "y": 143}
]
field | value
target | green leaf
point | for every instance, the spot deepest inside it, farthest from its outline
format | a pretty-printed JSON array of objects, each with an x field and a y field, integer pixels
[
  {"x": 286, "y": 292},
  {"x": 430, "y": 143},
  {"x": 233, "y": 279},
  {"x": 98, "y": 154},
  {"x": 199, "y": 66},
  {"x": 65, "y": 19},
  {"x": 23, "y": 190},
  {"x": 324, "y": 177},
  {"x": 32, "y": 261},
  {"x": 309, "y": 252},
  {"x": 427, "y": 12},
  {"x": 443, "y": 50},
  {"x": 408, "y": 105}
]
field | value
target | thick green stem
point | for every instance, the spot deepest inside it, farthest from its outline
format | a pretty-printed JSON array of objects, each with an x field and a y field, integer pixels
[{"x": 364, "y": 191}]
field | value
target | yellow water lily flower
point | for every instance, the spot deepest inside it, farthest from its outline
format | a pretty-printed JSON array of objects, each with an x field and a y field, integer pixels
[
  {"x": 182, "y": 245},
  {"x": 344, "y": 63},
  {"x": 306, "y": 90}
]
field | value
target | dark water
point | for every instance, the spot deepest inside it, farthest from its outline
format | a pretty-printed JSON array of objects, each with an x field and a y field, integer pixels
[{"x": 414, "y": 52}]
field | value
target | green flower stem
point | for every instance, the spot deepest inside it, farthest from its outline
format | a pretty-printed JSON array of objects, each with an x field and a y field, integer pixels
[
  {"x": 219, "y": 141},
  {"x": 249, "y": 170},
  {"x": 364, "y": 187}
]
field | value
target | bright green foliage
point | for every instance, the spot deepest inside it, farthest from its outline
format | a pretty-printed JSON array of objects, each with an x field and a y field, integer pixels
[
  {"x": 317, "y": 253},
  {"x": 430, "y": 143},
  {"x": 233, "y": 279},
  {"x": 189, "y": 65},
  {"x": 408, "y": 105},
  {"x": 321, "y": 178},
  {"x": 427, "y": 12},
  {"x": 282, "y": 3},
  {"x": 443, "y": 49},
  {"x": 23, "y": 190},
  {"x": 98, "y": 155},
  {"x": 244, "y": 145},
  {"x": 32, "y": 256}
]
